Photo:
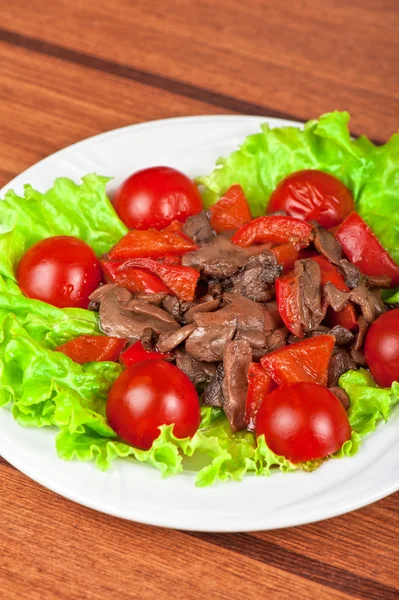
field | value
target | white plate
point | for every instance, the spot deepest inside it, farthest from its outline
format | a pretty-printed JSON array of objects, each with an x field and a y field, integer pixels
[{"x": 135, "y": 491}]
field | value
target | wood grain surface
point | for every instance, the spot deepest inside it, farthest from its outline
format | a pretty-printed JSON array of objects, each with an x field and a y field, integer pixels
[{"x": 69, "y": 70}]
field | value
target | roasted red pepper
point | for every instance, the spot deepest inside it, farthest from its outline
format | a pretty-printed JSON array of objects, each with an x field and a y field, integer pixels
[
  {"x": 345, "y": 318},
  {"x": 364, "y": 249},
  {"x": 330, "y": 273},
  {"x": 287, "y": 296},
  {"x": 137, "y": 281},
  {"x": 151, "y": 243},
  {"x": 286, "y": 255},
  {"x": 260, "y": 385},
  {"x": 181, "y": 281},
  {"x": 307, "y": 360},
  {"x": 93, "y": 348},
  {"x": 231, "y": 211},
  {"x": 277, "y": 230},
  {"x": 137, "y": 353}
]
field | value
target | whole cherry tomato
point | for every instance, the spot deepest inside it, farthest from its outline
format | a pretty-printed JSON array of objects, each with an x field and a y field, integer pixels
[
  {"x": 61, "y": 270},
  {"x": 381, "y": 348},
  {"x": 313, "y": 195},
  {"x": 150, "y": 394},
  {"x": 303, "y": 421},
  {"x": 155, "y": 197}
]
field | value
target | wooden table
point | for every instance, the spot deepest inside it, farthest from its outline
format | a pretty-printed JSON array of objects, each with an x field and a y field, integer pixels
[{"x": 69, "y": 70}]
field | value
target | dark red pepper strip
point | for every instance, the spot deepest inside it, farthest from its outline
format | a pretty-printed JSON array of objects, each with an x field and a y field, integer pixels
[
  {"x": 276, "y": 230},
  {"x": 93, "y": 348},
  {"x": 287, "y": 296},
  {"x": 137, "y": 353},
  {"x": 260, "y": 385},
  {"x": 137, "y": 281},
  {"x": 231, "y": 211},
  {"x": 364, "y": 249},
  {"x": 181, "y": 281}
]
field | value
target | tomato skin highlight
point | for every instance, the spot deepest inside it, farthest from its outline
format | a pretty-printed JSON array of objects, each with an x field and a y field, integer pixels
[
  {"x": 61, "y": 270},
  {"x": 303, "y": 421},
  {"x": 154, "y": 197},
  {"x": 150, "y": 394},
  {"x": 313, "y": 195},
  {"x": 381, "y": 348}
]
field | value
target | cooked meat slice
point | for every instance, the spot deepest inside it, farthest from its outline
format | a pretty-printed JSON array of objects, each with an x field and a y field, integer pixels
[
  {"x": 168, "y": 341},
  {"x": 370, "y": 304},
  {"x": 335, "y": 297},
  {"x": 352, "y": 275},
  {"x": 256, "y": 279},
  {"x": 213, "y": 393},
  {"x": 220, "y": 258},
  {"x": 361, "y": 332},
  {"x": 340, "y": 362},
  {"x": 342, "y": 335},
  {"x": 149, "y": 339},
  {"x": 277, "y": 339},
  {"x": 116, "y": 321},
  {"x": 236, "y": 360},
  {"x": 102, "y": 291},
  {"x": 342, "y": 396},
  {"x": 208, "y": 306},
  {"x": 246, "y": 315},
  {"x": 207, "y": 343},
  {"x": 155, "y": 317},
  {"x": 156, "y": 299},
  {"x": 175, "y": 307},
  {"x": 327, "y": 245},
  {"x": 198, "y": 228},
  {"x": 378, "y": 281},
  {"x": 198, "y": 372},
  {"x": 310, "y": 299},
  {"x": 256, "y": 339}
]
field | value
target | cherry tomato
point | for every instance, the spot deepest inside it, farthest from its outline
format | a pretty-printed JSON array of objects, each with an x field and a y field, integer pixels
[
  {"x": 150, "y": 394},
  {"x": 60, "y": 270},
  {"x": 381, "y": 348},
  {"x": 155, "y": 197},
  {"x": 303, "y": 421},
  {"x": 313, "y": 195}
]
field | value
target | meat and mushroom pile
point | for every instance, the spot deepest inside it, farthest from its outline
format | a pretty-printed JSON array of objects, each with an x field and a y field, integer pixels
[{"x": 234, "y": 318}]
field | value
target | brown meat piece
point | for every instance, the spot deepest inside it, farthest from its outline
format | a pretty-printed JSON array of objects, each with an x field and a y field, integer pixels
[
  {"x": 207, "y": 306},
  {"x": 102, "y": 291},
  {"x": 256, "y": 279},
  {"x": 356, "y": 353},
  {"x": 149, "y": 339},
  {"x": 352, "y": 275},
  {"x": 198, "y": 228},
  {"x": 310, "y": 293},
  {"x": 215, "y": 288},
  {"x": 342, "y": 396},
  {"x": 168, "y": 341},
  {"x": 116, "y": 321},
  {"x": 335, "y": 297},
  {"x": 327, "y": 245},
  {"x": 220, "y": 258},
  {"x": 378, "y": 281},
  {"x": 155, "y": 317},
  {"x": 236, "y": 360},
  {"x": 198, "y": 372},
  {"x": 342, "y": 336},
  {"x": 340, "y": 362},
  {"x": 207, "y": 343},
  {"x": 213, "y": 393},
  {"x": 175, "y": 307},
  {"x": 156, "y": 299},
  {"x": 370, "y": 304}
]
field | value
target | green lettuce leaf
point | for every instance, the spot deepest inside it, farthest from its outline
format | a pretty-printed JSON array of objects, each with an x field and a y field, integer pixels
[
  {"x": 369, "y": 403},
  {"x": 83, "y": 211},
  {"x": 390, "y": 296},
  {"x": 370, "y": 172}
]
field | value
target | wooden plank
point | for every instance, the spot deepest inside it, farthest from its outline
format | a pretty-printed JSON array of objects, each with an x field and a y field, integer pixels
[
  {"x": 296, "y": 58},
  {"x": 55, "y": 549},
  {"x": 47, "y": 104}
]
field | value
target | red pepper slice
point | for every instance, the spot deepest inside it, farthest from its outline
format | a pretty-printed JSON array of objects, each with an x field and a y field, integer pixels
[
  {"x": 260, "y": 385},
  {"x": 231, "y": 211},
  {"x": 137, "y": 281},
  {"x": 307, "y": 360},
  {"x": 364, "y": 249},
  {"x": 93, "y": 348},
  {"x": 330, "y": 273},
  {"x": 151, "y": 243},
  {"x": 287, "y": 296},
  {"x": 181, "y": 281},
  {"x": 137, "y": 353},
  {"x": 345, "y": 318},
  {"x": 277, "y": 230},
  {"x": 286, "y": 255}
]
